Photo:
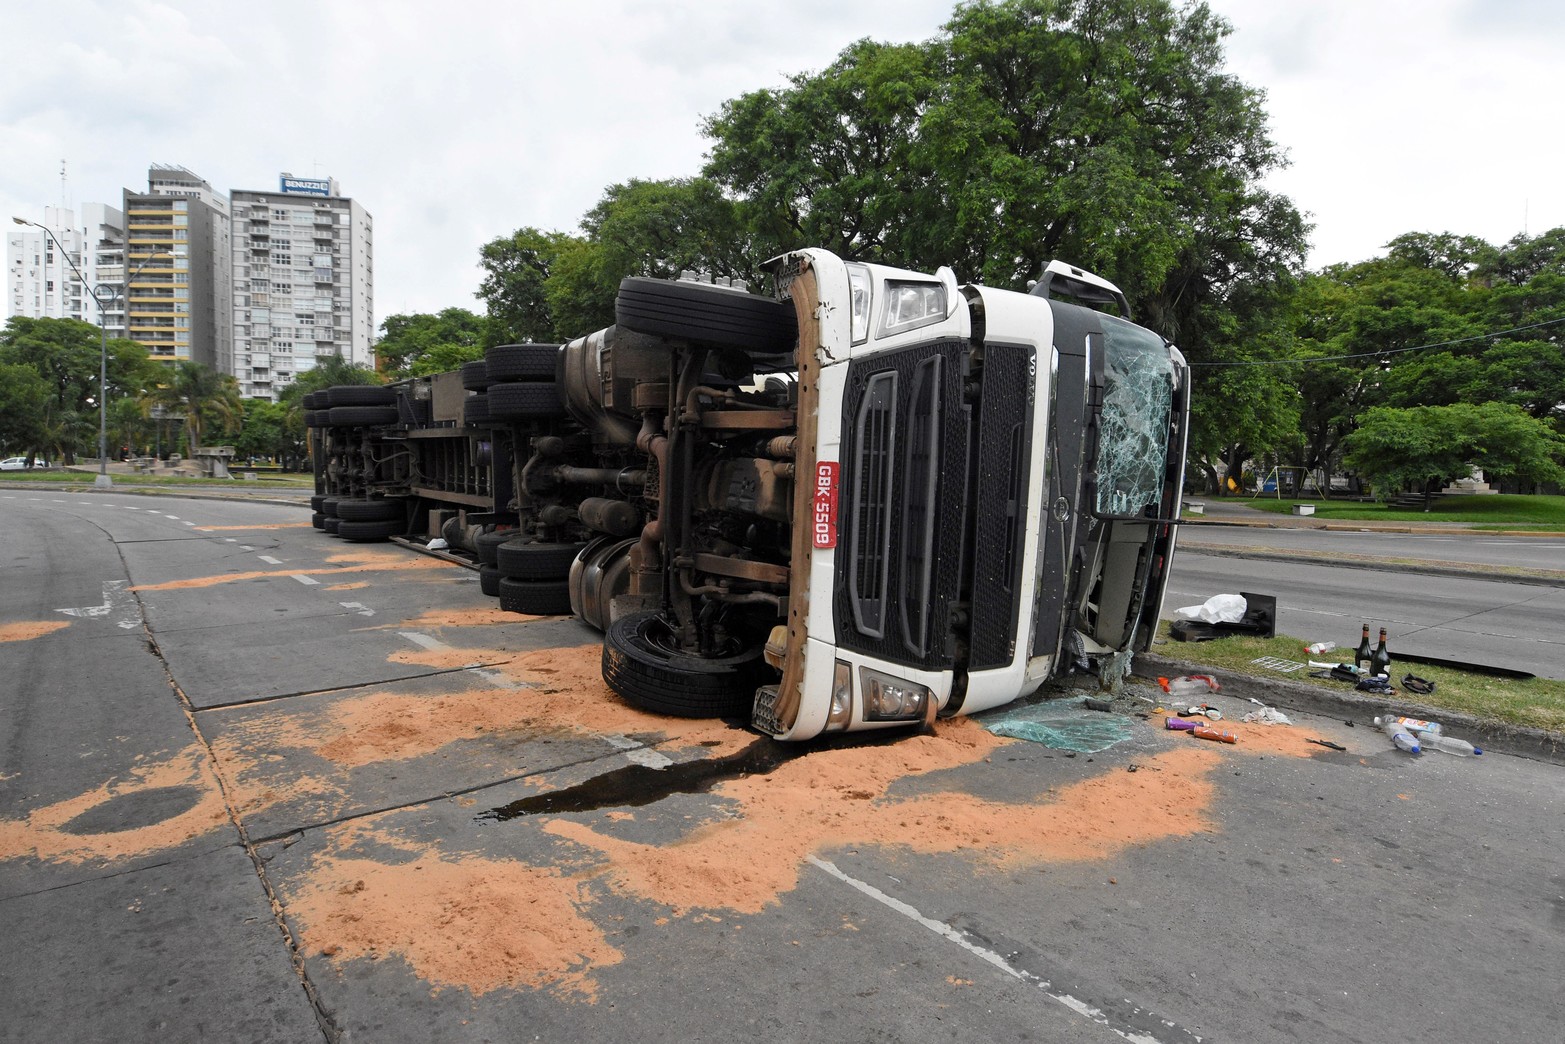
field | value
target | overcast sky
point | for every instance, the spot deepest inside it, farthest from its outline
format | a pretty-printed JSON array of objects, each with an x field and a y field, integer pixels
[{"x": 456, "y": 123}]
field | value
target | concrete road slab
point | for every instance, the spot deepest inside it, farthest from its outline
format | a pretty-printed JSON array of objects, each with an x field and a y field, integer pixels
[{"x": 182, "y": 951}]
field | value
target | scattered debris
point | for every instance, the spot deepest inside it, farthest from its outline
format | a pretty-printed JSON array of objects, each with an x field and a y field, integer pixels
[
  {"x": 1219, "y": 735},
  {"x": 1268, "y": 716},
  {"x": 1275, "y": 663},
  {"x": 1058, "y": 727},
  {"x": 1190, "y": 685},
  {"x": 1098, "y": 705},
  {"x": 1179, "y": 724},
  {"x": 1223, "y": 608},
  {"x": 1328, "y": 743},
  {"x": 1413, "y": 683}
]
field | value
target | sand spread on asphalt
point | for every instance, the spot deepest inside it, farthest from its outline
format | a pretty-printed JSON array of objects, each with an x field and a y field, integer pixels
[
  {"x": 43, "y": 833},
  {"x": 481, "y": 617},
  {"x": 274, "y": 525},
  {"x": 1255, "y": 738},
  {"x": 28, "y": 630},
  {"x": 456, "y": 919},
  {"x": 192, "y": 583}
]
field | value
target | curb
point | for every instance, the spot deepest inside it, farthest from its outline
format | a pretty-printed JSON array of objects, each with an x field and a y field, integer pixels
[
  {"x": 1349, "y": 526},
  {"x": 1280, "y": 692},
  {"x": 302, "y": 498}
]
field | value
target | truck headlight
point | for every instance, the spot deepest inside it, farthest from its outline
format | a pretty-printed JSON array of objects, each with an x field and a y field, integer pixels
[
  {"x": 841, "y": 698},
  {"x": 892, "y": 699},
  {"x": 859, "y": 287}
]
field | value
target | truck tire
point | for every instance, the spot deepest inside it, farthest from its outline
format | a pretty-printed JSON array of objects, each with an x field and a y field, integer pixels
[
  {"x": 363, "y": 532},
  {"x": 316, "y": 501},
  {"x": 522, "y": 362},
  {"x": 705, "y": 314},
  {"x": 534, "y": 597},
  {"x": 371, "y": 510},
  {"x": 475, "y": 375},
  {"x": 362, "y": 416},
  {"x": 330, "y": 524},
  {"x": 535, "y": 400},
  {"x": 489, "y": 580},
  {"x": 318, "y": 520},
  {"x": 527, "y": 560},
  {"x": 475, "y": 410},
  {"x": 485, "y": 545},
  {"x": 640, "y": 664},
  {"x": 360, "y": 395},
  {"x": 329, "y": 505}
]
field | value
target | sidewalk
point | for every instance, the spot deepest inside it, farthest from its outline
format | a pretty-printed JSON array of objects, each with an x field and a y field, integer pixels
[{"x": 1236, "y": 511}]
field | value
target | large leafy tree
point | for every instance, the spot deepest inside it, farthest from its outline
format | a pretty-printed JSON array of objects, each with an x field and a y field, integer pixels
[
  {"x": 424, "y": 343},
  {"x": 24, "y": 403},
  {"x": 517, "y": 269},
  {"x": 1399, "y": 449}
]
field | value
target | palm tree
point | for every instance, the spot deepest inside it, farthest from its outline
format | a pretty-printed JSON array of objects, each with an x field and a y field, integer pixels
[{"x": 204, "y": 396}]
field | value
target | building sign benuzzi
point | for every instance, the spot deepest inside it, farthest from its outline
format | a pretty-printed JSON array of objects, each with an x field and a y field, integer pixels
[{"x": 306, "y": 186}]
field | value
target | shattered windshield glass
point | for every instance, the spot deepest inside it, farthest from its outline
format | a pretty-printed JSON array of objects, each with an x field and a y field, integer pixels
[{"x": 1138, "y": 398}]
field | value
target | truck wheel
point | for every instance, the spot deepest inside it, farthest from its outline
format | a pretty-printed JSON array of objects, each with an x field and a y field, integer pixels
[
  {"x": 532, "y": 561},
  {"x": 318, "y": 520},
  {"x": 485, "y": 545},
  {"x": 329, "y": 505},
  {"x": 705, "y": 314},
  {"x": 330, "y": 524},
  {"x": 362, "y": 416},
  {"x": 522, "y": 362},
  {"x": 359, "y": 395},
  {"x": 373, "y": 510},
  {"x": 534, "y": 597},
  {"x": 475, "y": 410},
  {"x": 535, "y": 400},
  {"x": 363, "y": 532},
  {"x": 489, "y": 580},
  {"x": 641, "y": 664},
  {"x": 475, "y": 375}
]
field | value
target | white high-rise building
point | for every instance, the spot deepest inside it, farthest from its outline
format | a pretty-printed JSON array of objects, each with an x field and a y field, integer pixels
[
  {"x": 303, "y": 282},
  {"x": 41, "y": 284}
]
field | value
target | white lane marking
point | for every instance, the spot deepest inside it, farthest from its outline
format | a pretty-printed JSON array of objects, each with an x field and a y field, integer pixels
[
  {"x": 358, "y": 607},
  {"x": 246, "y": 547},
  {"x": 308, "y": 581},
  {"x": 499, "y": 681},
  {"x": 174, "y": 517},
  {"x": 56, "y": 501},
  {"x": 945, "y": 931},
  {"x": 189, "y": 523},
  {"x": 117, "y": 602},
  {"x": 638, "y": 752},
  {"x": 269, "y": 560},
  {"x": 424, "y": 640},
  {"x": 232, "y": 540}
]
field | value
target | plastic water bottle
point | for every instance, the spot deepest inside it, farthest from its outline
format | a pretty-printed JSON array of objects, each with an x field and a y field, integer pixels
[
  {"x": 1449, "y": 744},
  {"x": 1418, "y": 726},
  {"x": 1190, "y": 685},
  {"x": 1401, "y": 737},
  {"x": 1320, "y": 647}
]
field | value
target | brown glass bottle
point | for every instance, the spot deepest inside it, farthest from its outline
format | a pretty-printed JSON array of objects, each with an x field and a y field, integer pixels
[
  {"x": 1362, "y": 654},
  {"x": 1380, "y": 659}
]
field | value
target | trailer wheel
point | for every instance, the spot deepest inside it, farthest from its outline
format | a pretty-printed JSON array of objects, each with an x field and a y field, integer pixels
[
  {"x": 534, "y": 400},
  {"x": 318, "y": 520},
  {"x": 475, "y": 410},
  {"x": 641, "y": 664},
  {"x": 370, "y": 510},
  {"x": 485, "y": 544},
  {"x": 361, "y": 416},
  {"x": 489, "y": 580},
  {"x": 522, "y": 362},
  {"x": 363, "y": 532},
  {"x": 316, "y": 501},
  {"x": 475, "y": 375},
  {"x": 330, "y": 524},
  {"x": 329, "y": 505},
  {"x": 534, "y": 597},
  {"x": 705, "y": 314},
  {"x": 359, "y": 395},
  {"x": 523, "y": 560}
]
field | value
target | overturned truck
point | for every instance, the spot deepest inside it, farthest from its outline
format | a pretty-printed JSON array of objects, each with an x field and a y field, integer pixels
[{"x": 868, "y": 499}]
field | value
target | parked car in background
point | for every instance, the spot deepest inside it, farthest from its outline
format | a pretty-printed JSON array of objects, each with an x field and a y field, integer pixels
[{"x": 20, "y": 463}]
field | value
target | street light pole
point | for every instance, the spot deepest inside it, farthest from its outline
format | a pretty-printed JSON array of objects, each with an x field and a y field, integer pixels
[{"x": 104, "y": 302}]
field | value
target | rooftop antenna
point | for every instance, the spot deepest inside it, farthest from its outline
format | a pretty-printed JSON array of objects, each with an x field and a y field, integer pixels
[{"x": 64, "y": 199}]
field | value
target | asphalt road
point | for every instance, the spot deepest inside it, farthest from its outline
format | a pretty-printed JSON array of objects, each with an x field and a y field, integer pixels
[
  {"x": 1496, "y": 622},
  {"x": 242, "y": 793},
  {"x": 1476, "y": 548}
]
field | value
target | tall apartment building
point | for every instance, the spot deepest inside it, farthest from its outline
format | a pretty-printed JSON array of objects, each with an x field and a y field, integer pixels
[
  {"x": 303, "y": 282},
  {"x": 41, "y": 284},
  {"x": 180, "y": 304}
]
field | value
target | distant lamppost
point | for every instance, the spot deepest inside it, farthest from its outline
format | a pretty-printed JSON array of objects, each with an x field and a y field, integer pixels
[{"x": 104, "y": 294}]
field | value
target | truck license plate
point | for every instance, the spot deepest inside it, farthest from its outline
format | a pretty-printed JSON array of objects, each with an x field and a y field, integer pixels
[{"x": 824, "y": 513}]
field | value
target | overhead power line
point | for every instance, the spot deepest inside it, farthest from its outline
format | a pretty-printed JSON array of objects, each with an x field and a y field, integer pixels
[{"x": 1384, "y": 351}]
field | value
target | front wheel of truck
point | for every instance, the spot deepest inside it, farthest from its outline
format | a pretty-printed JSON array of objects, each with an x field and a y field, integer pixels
[
  {"x": 702, "y": 313},
  {"x": 642, "y": 664}
]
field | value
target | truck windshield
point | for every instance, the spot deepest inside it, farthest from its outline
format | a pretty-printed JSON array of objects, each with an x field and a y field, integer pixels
[{"x": 1133, "y": 430}]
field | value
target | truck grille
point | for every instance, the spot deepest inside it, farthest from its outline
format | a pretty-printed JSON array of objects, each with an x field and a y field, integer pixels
[
  {"x": 904, "y": 460},
  {"x": 1004, "y": 453}
]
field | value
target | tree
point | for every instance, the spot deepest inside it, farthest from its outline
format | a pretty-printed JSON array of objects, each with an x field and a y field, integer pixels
[
  {"x": 1399, "y": 449},
  {"x": 267, "y": 433},
  {"x": 516, "y": 269},
  {"x": 24, "y": 403},
  {"x": 407, "y": 339},
  {"x": 205, "y": 397}
]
